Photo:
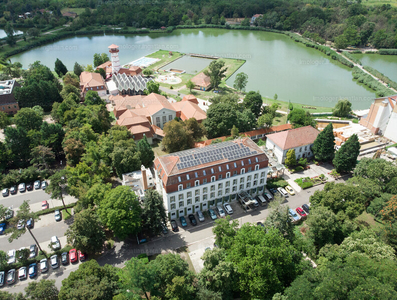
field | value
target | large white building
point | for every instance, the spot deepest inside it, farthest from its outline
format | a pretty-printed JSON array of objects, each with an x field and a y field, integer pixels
[
  {"x": 301, "y": 139},
  {"x": 201, "y": 178}
]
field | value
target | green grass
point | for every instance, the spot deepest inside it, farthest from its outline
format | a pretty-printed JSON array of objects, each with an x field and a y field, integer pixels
[
  {"x": 185, "y": 78},
  {"x": 380, "y": 2},
  {"x": 66, "y": 214},
  {"x": 394, "y": 145},
  {"x": 157, "y": 149},
  {"x": 163, "y": 60},
  {"x": 370, "y": 220}
]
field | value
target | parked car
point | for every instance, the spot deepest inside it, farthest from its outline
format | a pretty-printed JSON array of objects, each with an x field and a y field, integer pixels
[
  {"x": 37, "y": 184},
  {"x": 29, "y": 187},
  {"x": 301, "y": 212},
  {"x": 81, "y": 256},
  {"x": 200, "y": 216},
  {"x": 21, "y": 224},
  {"x": 260, "y": 224},
  {"x": 221, "y": 212},
  {"x": 183, "y": 221},
  {"x": 268, "y": 196},
  {"x": 54, "y": 261},
  {"x": 22, "y": 273},
  {"x": 2, "y": 276},
  {"x": 3, "y": 227},
  {"x": 174, "y": 226},
  {"x": 30, "y": 223},
  {"x": 212, "y": 214},
  {"x": 43, "y": 265},
  {"x": 33, "y": 251},
  {"x": 9, "y": 213},
  {"x": 44, "y": 205},
  {"x": 164, "y": 228},
  {"x": 306, "y": 208},
  {"x": 290, "y": 190},
  {"x": 32, "y": 270},
  {"x": 55, "y": 243},
  {"x": 5, "y": 192},
  {"x": 13, "y": 190},
  {"x": 228, "y": 208},
  {"x": 283, "y": 192},
  {"x": 65, "y": 258},
  {"x": 273, "y": 190},
  {"x": 73, "y": 255},
  {"x": 22, "y": 187},
  {"x": 254, "y": 204},
  {"x": 293, "y": 215},
  {"x": 193, "y": 220},
  {"x": 58, "y": 215},
  {"x": 44, "y": 185},
  {"x": 11, "y": 256},
  {"x": 11, "y": 276},
  {"x": 261, "y": 199}
]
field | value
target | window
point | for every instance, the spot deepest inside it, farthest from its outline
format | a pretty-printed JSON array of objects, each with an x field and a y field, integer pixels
[
  {"x": 189, "y": 194},
  {"x": 241, "y": 186},
  {"x": 212, "y": 170},
  {"x": 255, "y": 183},
  {"x": 204, "y": 197},
  {"x": 248, "y": 185},
  {"x": 242, "y": 171},
  {"x": 187, "y": 176},
  {"x": 235, "y": 165},
  {"x": 256, "y": 176},
  {"x": 227, "y": 183},
  {"x": 170, "y": 118},
  {"x": 220, "y": 169},
  {"x": 249, "y": 169},
  {"x": 172, "y": 199},
  {"x": 242, "y": 163},
  {"x": 220, "y": 185},
  {"x": 196, "y": 174},
  {"x": 188, "y": 185},
  {"x": 158, "y": 125},
  {"x": 227, "y": 174},
  {"x": 300, "y": 149},
  {"x": 164, "y": 119},
  {"x": 189, "y": 201},
  {"x": 180, "y": 187},
  {"x": 204, "y": 180},
  {"x": 219, "y": 193},
  {"x": 205, "y": 190},
  {"x": 299, "y": 156},
  {"x": 263, "y": 174},
  {"x": 256, "y": 167},
  {"x": 262, "y": 181},
  {"x": 234, "y": 181},
  {"x": 212, "y": 178},
  {"x": 234, "y": 188},
  {"x": 212, "y": 202},
  {"x": 241, "y": 179},
  {"x": 173, "y": 206},
  {"x": 204, "y": 173},
  {"x": 179, "y": 179},
  {"x": 234, "y": 173},
  {"x": 197, "y": 183},
  {"x": 197, "y": 192},
  {"x": 157, "y": 119},
  {"x": 249, "y": 178},
  {"x": 256, "y": 159},
  {"x": 180, "y": 197},
  {"x": 227, "y": 191},
  {"x": 249, "y": 160},
  {"x": 212, "y": 195},
  {"x": 197, "y": 199},
  {"x": 97, "y": 87},
  {"x": 212, "y": 188},
  {"x": 220, "y": 177},
  {"x": 227, "y": 167},
  {"x": 305, "y": 148},
  {"x": 180, "y": 204}
]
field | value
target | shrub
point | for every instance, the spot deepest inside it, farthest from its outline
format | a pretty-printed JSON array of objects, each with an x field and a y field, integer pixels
[
  {"x": 304, "y": 183},
  {"x": 110, "y": 244},
  {"x": 355, "y": 121},
  {"x": 387, "y": 51},
  {"x": 276, "y": 183},
  {"x": 299, "y": 168},
  {"x": 144, "y": 257}
]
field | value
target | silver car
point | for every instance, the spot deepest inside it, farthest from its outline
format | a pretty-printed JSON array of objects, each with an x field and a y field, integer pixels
[
  {"x": 228, "y": 208},
  {"x": 200, "y": 216},
  {"x": 55, "y": 243},
  {"x": 21, "y": 224},
  {"x": 54, "y": 261},
  {"x": 33, "y": 251},
  {"x": 43, "y": 265},
  {"x": 37, "y": 184},
  {"x": 2, "y": 277},
  {"x": 22, "y": 273},
  {"x": 11, "y": 276},
  {"x": 22, "y": 187},
  {"x": 221, "y": 212},
  {"x": 58, "y": 215}
]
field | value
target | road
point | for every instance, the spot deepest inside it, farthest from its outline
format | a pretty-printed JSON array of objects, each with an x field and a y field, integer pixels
[
  {"x": 35, "y": 196},
  {"x": 196, "y": 238}
]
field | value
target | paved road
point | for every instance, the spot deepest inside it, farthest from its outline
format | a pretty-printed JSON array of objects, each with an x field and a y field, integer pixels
[{"x": 35, "y": 196}]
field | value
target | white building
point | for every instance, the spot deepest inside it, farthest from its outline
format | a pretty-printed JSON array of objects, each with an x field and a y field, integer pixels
[
  {"x": 301, "y": 139},
  {"x": 201, "y": 178},
  {"x": 139, "y": 181}
]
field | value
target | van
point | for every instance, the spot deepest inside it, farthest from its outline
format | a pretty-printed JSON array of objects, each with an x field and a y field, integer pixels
[
  {"x": 200, "y": 216},
  {"x": 261, "y": 199}
]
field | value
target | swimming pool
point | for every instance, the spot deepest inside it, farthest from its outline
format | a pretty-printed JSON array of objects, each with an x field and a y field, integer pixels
[{"x": 144, "y": 61}]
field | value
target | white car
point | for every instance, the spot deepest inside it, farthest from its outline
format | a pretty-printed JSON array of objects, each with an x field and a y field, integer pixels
[
  {"x": 33, "y": 251},
  {"x": 58, "y": 216},
  {"x": 282, "y": 192},
  {"x": 21, "y": 187},
  {"x": 221, "y": 212},
  {"x": 37, "y": 184},
  {"x": 228, "y": 208},
  {"x": 55, "y": 243},
  {"x": 43, "y": 185},
  {"x": 22, "y": 273},
  {"x": 43, "y": 265},
  {"x": 54, "y": 261},
  {"x": 11, "y": 256}
]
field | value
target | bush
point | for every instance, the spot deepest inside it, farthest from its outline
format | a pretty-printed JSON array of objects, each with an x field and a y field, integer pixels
[
  {"x": 387, "y": 51},
  {"x": 261, "y": 143},
  {"x": 381, "y": 76},
  {"x": 355, "y": 121},
  {"x": 304, "y": 184},
  {"x": 276, "y": 183},
  {"x": 144, "y": 257},
  {"x": 299, "y": 168},
  {"x": 352, "y": 57},
  {"x": 110, "y": 244},
  {"x": 51, "y": 210}
]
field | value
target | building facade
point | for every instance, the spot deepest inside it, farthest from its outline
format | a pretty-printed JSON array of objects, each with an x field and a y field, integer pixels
[
  {"x": 90, "y": 81},
  {"x": 8, "y": 103},
  {"x": 202, "y": 178}
]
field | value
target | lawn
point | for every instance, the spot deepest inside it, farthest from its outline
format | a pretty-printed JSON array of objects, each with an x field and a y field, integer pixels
[
  {"x": 284, "y": 106},
  {"x": 164, "y": 57},
  {"x": 66, "y": 214},
  {"x": 369, "y": 219},
  {"x": 379, "y": 2},
  {"x": 185, "y": 78},
  {"x": 156, "y": 147}
]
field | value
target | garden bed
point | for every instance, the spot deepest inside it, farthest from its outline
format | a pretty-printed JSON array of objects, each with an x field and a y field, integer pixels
[
  {"x": 306, "y": 182},
  {"x": 276, "y": 183}
]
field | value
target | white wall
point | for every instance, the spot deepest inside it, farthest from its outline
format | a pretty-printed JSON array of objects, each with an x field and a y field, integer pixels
[
  {"x": 281, "y": 155},
  {"x": 391, "y": 129},
  {"x": 382, "y": 117},
  {"x": 163, "y": 113}
]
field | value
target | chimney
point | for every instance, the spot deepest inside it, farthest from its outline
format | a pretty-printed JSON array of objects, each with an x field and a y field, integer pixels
[{"x": 144, "y": 178}]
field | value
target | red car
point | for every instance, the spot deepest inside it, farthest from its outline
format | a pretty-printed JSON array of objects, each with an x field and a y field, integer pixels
[
  {"x": 81, "y": 256},
  {"x": 44, "y": 205},
  {"x": 73, "y": 255},
  {"x": 301, "y": 212}
]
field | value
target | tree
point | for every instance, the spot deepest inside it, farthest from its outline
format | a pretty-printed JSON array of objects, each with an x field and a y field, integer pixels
[
  {"x": 225, "y": 230},
  {"x": 4, "y": 120},
  {"x": 43, "y": 289},
  {"x": 240, "y": 81},
  {"x": 77, "y": 69},
  {"x": 146, "y": 152},
  {"x": 97, "y": 60},
  {"x": 389, "y": 211},
  {"x": 147, "y": 72},
  {"x": 342, "y": 108},
  {"x": 196, "y": 129},
  {"x": 90, "y": 281},
  {"x": 181, "y": 288},
  {"x": 346, "y": 157},
  {"x": 86, "y": 232},
  {"x": 265, "y": 120},
  {"x": 253, "y": 101},
  {"x": 28, "y": 119},
  {"x": 52, "y": 136},
  {"x": 18, "y": 144},
  {"x": 190, "y": 85},
  {"x": 3, "y": 257},
  {"x": 60, "y": 68},
  {"x": 341, "y": 42},
  {"x": 92, "y": 98},
  {"x": 23, "y": 213},
  {"x": 245, "y": 22},
  {"x": 378, "y": 203},
  {"x": 216, "y": 72},
  {"x": 279, "y": 219},
  {"x": 57, "y": 186},
  {"x": 234, "y": 132},
  {"x": 120, "y": 211},
  {"x": 275, "y": 97},
  {"x": 176, "y": 137},
  {"x": 299, "y": 118},
  {"x": 72, "y": 79},
  {"x": 153, "y": 211},
  {"x": 39, "y": 110},
  {"x": 42, "y": 156},
  {"x": 89, "y": 68},
  {"x": 125, "y": 157},
  {"x": 33, "y": 32},
  {"x": 377, "y": 170},
  {"x": 324, "y": 145},
  {"x": 290, "y": 159},
  {"x": 152, "y": 87},
  {"x": 70, "y": 89}
]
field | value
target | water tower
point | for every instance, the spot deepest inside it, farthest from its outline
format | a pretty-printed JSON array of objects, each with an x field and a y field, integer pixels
[{"x": 114, "y": 57}]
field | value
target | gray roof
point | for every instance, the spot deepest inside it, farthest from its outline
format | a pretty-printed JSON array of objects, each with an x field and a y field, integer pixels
[{"x": 134, "y": 83}]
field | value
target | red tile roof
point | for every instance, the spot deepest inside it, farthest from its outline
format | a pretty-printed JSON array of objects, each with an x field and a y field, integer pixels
[
  {"x": 201, "y": 80},
  {"x": 294, "y": 138}
]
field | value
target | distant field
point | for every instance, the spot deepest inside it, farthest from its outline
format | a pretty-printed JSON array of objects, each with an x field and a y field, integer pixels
[{"x": 380, "y": 2}]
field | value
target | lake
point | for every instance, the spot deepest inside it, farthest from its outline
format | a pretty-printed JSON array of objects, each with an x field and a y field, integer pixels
[
  {"x": 275, "y": 64},
  {"x": 386, "y": 64}
]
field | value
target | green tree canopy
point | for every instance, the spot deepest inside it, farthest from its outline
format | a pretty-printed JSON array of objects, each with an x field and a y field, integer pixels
[
  {"x": 152, "y": 87},
  {"x": 377, "y": 170},
  {"x": 60, "y": 68},
  {"x": 177, "y": 138},
  {"x": 92, "y": 98},
  {"x": 153, "y": 211},
  {"x": 216, "y": 71},
  {"x": 190, "y": 85},
  {"x": 290, "y": 159},
  {"x": 77, "y": 69},
  {"x": 342, "y": 108},
  {"x": 253, "y": 101},
  {"x": 300, "y": 118},
  {"x": 28, "y": 119},
  {"x": 43, "y": 289},
  {"x": 125, "y": 157},
  {"x": 346, "y": 157},
  {"x": 240, "y": 82},
  {"x": 324, "y": 145},
  {"x": 4, "y": 120},
  {"x": 146, "y": 152}
]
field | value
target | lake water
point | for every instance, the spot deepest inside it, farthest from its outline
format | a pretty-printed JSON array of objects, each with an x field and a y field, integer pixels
[
  {"x": 386, "y": 64},
  {"x": 275, "y": 64}
]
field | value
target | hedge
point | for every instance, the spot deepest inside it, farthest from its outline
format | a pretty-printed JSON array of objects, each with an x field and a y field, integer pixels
[
  {"x": 368, "y": 80},
  {"x": 51, "y": 210},
  {"x": 351, "y": 57},
  {"x": 387, "y": 51},
  {"x": 276, "y": 183},
  {"x": 381, "y": 76}
]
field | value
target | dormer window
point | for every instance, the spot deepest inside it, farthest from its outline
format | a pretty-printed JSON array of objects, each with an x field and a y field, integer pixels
[
  {"x": 179, "y": 179},
  {"x": 212, "y": 170},
  {"x": 204, "y": 173},
  {"x": 187, "y": 176},
  {"x": 227, "y": 167},
  {"x": 220, "y": 169}
]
